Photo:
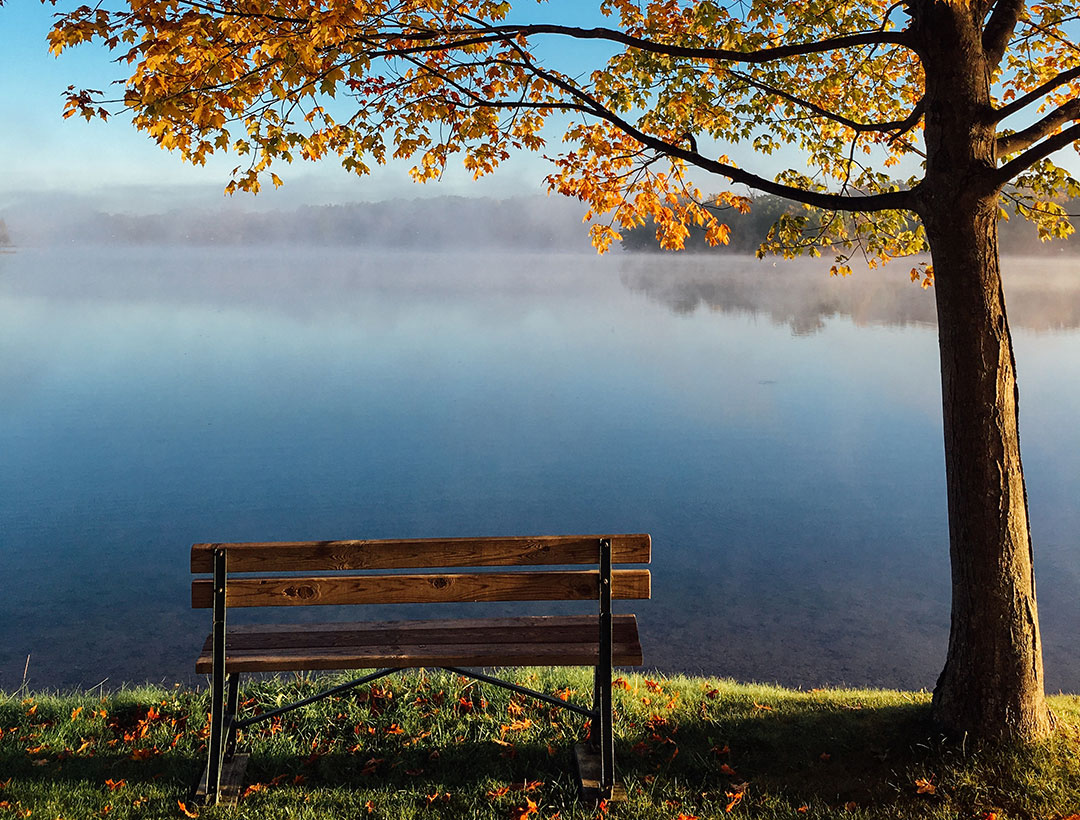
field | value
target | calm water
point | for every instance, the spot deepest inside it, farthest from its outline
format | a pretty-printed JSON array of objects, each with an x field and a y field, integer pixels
[{"x": 776, "y": 431}]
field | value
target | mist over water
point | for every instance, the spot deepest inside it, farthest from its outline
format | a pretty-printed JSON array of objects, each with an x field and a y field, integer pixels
[{"x": 777, "y": 431}]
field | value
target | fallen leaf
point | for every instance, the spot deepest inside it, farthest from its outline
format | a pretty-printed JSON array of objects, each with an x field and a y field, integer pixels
[
  {"x": 76, "y": 712},
  {"x": 824, "y": 756},
  {"x": 924, "y": 786},
  {"x": 115, "y": 784},
  {"x": 762, "y": 706},
  {"x": 851, "y": 805},
  {"x": 734, "y": 798},
  {"x": 254, "y": 788},
  {"x": 726, "y": 769},
  {"x": 187, "y": 812},
  {"x": 522, "y": 812}
]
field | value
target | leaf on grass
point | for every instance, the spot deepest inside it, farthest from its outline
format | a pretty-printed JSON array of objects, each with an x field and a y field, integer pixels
[
  {"x": 851, "y": 805},
  {"x": 115, "y": 784},
  {"x": 76, "y": 712},
  {"x": 185, "y": 810},
  {"x": 734, "y": 797},
  {"x": 726, "y": 769},
  {"x": 254, "y": 788},
  {"x": 763, "y": 706},
  {"x": 924, "y": 786},
  {"x": 522, "y": 812}
]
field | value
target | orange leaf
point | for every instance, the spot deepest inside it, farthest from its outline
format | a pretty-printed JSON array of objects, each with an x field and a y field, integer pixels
[
  {"x": 762, "y": 706},
  {"x": 115, "y": 784},
  {"x": 187, "y": 812},
  {"x": 924, "y": 786},
  {"x": 734, "y": 799},
  {"x": 254, "y": 788},
  {"x": 851, "y": 805},
  {"x": 521, "y": 813}
]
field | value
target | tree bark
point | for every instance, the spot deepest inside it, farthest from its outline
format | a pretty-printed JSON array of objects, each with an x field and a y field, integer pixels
[{"x": 992, "y": 683}]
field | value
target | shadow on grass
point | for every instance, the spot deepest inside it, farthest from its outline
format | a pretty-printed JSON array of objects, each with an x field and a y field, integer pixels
[{"x": 838, "y": 754}]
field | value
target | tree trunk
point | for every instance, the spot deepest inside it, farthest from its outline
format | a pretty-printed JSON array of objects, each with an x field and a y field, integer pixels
[{"x": 992, "y": 683}]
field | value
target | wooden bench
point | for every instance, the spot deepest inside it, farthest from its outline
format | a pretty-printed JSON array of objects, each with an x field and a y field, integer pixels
[{"x": 351, "y": 572}]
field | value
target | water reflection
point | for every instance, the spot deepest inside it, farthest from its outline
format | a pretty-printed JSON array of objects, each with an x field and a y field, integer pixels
[
  {"x": 792, "y": 484},
  {"x": 1042, "y": 294}
]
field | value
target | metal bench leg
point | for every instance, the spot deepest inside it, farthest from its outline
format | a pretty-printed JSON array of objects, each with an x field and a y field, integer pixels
[
  {"x": 233, "y": 685},
  {"x": 603, "y": 675},
  {"x": 215, "y": 745}
]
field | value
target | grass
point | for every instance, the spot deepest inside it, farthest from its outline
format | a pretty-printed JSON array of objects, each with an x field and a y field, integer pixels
[{"x": 433, "y": 745}]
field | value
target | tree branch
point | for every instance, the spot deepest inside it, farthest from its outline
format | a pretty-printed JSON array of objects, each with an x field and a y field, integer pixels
[
  {"x": 999, "y": 29},
  {"x": 1025, "y": 138},
  {"x": 765, "y": 55},
  {"x": 898, "y": 125},
  {"x": 1020, "y": 103},
  {"x": 893, "y": 200},
  {"x": 1041, "y": 151}
]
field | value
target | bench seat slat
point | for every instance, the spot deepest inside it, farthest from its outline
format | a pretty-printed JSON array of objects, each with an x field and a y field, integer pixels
[
  {"x": 427, "y": 588},
  {"x": 523, "y": 641},
  {"x": 323, "y": 556}
]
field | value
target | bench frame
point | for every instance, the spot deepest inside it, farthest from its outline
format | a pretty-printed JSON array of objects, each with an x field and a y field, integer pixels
[{"x": 595, "y": 761}]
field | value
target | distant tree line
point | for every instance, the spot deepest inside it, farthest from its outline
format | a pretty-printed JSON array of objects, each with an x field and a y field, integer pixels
[{"x": 748, "y": 231}]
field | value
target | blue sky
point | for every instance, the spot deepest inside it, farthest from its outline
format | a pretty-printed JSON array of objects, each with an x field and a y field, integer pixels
[{"x": 41, "y": 152}]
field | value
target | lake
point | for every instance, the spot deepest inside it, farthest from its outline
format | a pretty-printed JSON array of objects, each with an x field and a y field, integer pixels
[{"x": 776, "y": 431}]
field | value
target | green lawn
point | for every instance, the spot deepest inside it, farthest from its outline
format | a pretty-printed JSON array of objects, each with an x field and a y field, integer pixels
[{"x": 435, "y": 745}]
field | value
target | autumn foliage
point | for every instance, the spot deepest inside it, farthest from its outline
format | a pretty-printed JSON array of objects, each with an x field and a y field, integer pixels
[{"x": 427, "y": 80}]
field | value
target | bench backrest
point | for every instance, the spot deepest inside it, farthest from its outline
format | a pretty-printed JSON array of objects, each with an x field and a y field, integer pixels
[{"x": 356, "y": 576}]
